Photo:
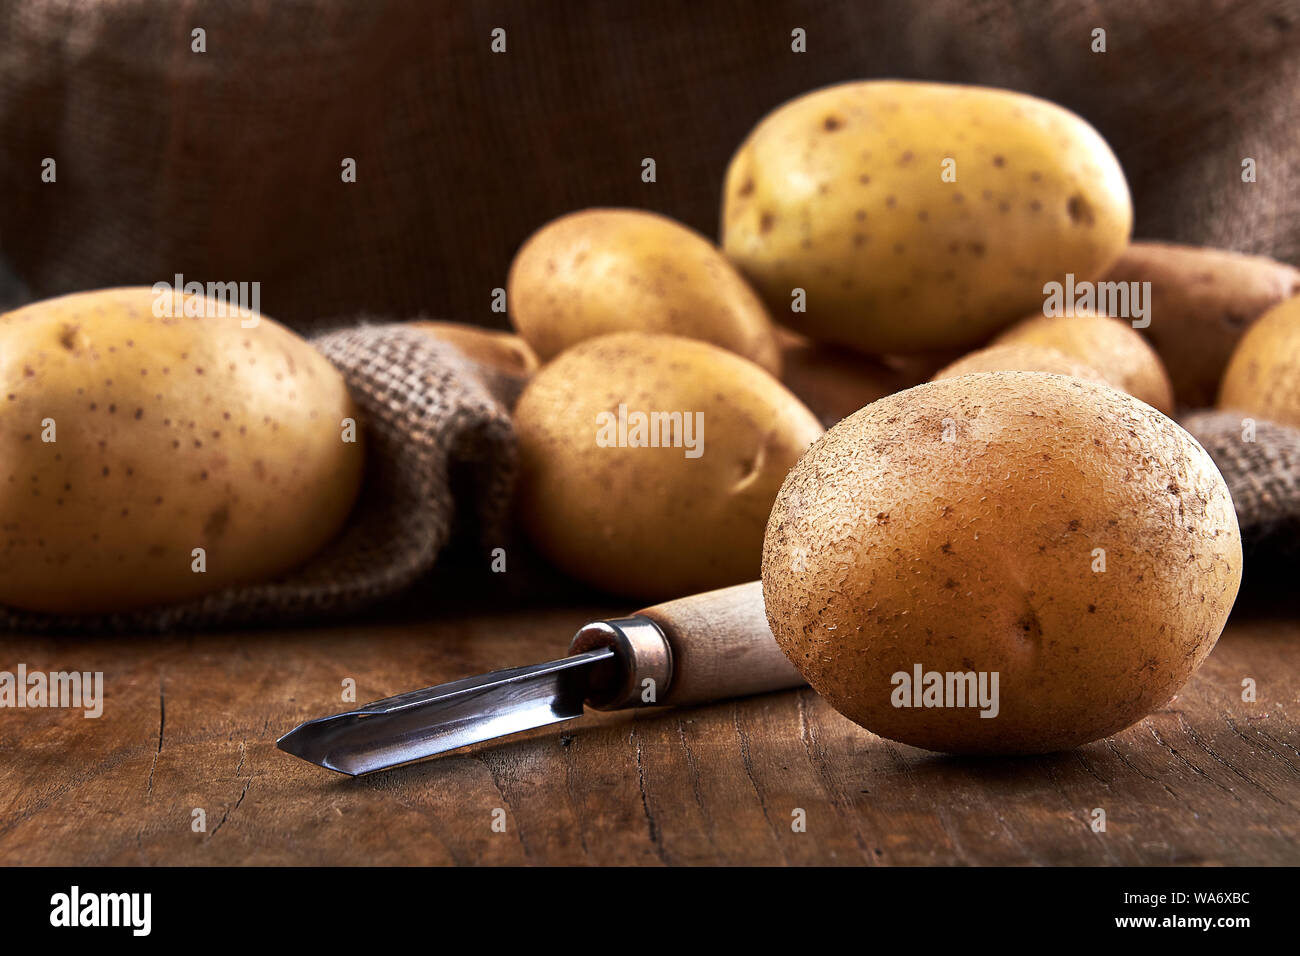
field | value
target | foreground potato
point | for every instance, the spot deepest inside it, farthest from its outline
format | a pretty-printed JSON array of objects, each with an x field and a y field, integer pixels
[
  {"x": 986, "y": 558},
  {"x": 1263, "y": 376},
  {"x": 842, "y": 193},
  {"x": 1020, "y": 357},
  {"x": 1109, "y": 345},
  {"x": 615, "y": 270},
  {"x": 655, "y": 522},
  {"x": 1202, "y": 302},
  {"x": 171, "y": 434}
]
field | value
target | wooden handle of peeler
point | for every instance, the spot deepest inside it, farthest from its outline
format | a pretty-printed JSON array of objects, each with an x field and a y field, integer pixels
[{"x": 721, "y": 646}]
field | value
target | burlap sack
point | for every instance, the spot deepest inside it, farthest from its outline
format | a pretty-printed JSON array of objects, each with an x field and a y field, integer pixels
[
  {"x": 1261, "y": 463},
  {"x": 226, "y": 165}
]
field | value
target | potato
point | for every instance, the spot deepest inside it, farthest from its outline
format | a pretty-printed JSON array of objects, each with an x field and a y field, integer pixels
[
  {"x": 1109, "y": 345},
  {"x": 500, "y": 351},
  {"x": 614, "y": 270},
  {"x": 168, "y": 434},
  {"x": 843, "y": 193},
  {"x": 834, "y": 382},
  {"x": 503, "y": 361},
  {"x": 1263, "y": 375},
  {"x": 1051, "y": 531},
  {"x": 1022, "y": 357},
  {"x": 1202, "y": 301},
  {"x": 665, "y": 521}
]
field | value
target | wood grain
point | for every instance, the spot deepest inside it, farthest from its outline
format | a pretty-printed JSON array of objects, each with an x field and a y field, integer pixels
[{"x": 190, "y": 723}]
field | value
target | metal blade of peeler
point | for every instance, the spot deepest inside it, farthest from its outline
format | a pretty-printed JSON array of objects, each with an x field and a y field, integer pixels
[{"x": 421, "y": 723}]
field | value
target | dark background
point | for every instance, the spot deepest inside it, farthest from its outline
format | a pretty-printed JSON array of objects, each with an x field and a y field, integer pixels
[{"x": 224, "y": 166}]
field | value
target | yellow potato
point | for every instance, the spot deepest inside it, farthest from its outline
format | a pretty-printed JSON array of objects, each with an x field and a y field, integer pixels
[
  {"x": 1263, "y": 376},
  {"x": 504, "y": 361},
  {"x": 848, "y": 193},
  {"x": 169, "y": 434},
  {"x": 654, "y": 522},
  {"x": 1202, "y": 302},
  {"x": 1053, "y": 532},
  {"x": 617, "y": 270},
  {"x": 499, "y": 351},
  {"x": 1109, "y": 345},
  {"x": 1020, "y": 357}
]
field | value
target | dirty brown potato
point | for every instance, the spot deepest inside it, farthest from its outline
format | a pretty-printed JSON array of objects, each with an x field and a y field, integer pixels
[
  {"x": 1263, "y": 376},
  {"x": 834, "y": 382},
  {"x": 1202, "y": 302},
  {"x": 130, "y": 439},
  {"x": 1109, "y": 345},
  {"x": 654, "y": 522},
  {"x": 1020, "y": 357},
  {"x": 624, "y": 270},
  {"x": 919, "y": 216},
  {"x": 1055, "y": 532}
]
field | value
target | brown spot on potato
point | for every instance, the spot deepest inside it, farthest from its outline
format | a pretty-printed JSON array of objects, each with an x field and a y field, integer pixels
[
  {"x": 1079, "y": 210},
  {"x": 217, "y": 522},
  {"x": 832, "y": 123}
]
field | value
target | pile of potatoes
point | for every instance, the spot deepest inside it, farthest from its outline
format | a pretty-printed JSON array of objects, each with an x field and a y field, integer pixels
[{"x": 1001, "y": 488}]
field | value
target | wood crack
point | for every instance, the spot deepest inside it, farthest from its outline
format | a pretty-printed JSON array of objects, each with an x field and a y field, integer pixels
[
  {"x": 655, "y": 837},
  {"x": 162, "y": 724}
]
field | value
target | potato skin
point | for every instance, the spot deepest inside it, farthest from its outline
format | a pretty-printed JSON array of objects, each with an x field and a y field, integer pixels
[
  {"x": 1202, "y": 302},
  {"x": 172, "y": 434},
  {"x": 1020, "y": 357},
  {"x": 1109, "y": 345},
  {"x": 650, "y": 522},
  {"x": 1263, "y": 375},
  {"x": 982, "y": 559},
  {"x": 600, "y": 271},
  {"x": 502, "y": 360},
  {"x": 499, "y": 351},
  {"x": 839, "y": 192},
  {"x": 834, "y": 382}
]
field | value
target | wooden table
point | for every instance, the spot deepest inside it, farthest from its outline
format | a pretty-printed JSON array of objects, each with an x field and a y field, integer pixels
[{"x": 190, "y": 723}]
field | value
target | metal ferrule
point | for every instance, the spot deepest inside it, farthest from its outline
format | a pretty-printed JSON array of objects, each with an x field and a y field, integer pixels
[{"x": 642, "y": 654}]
